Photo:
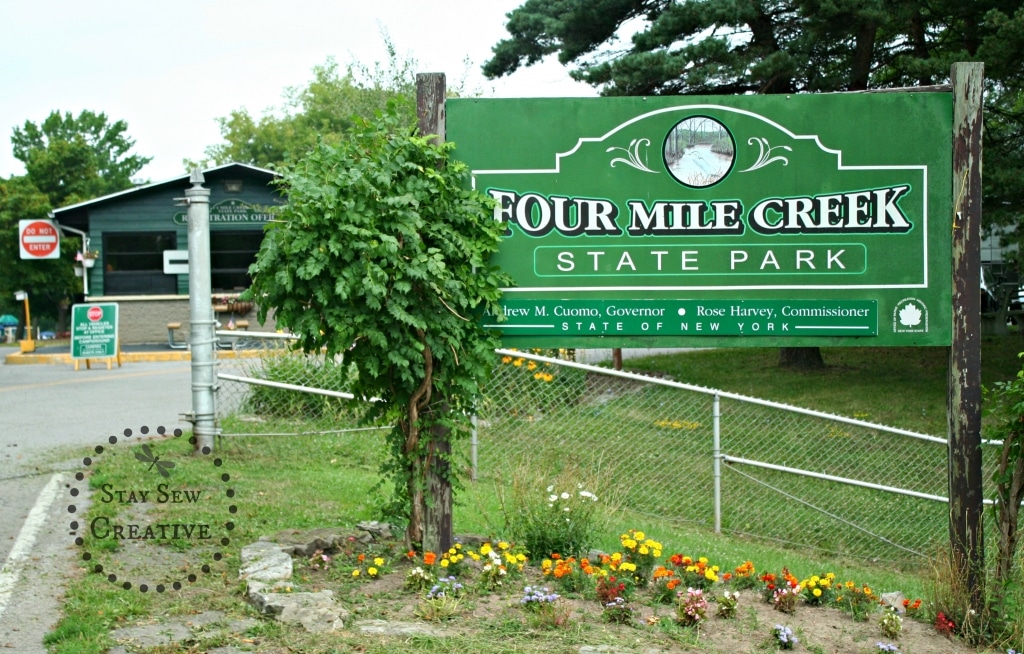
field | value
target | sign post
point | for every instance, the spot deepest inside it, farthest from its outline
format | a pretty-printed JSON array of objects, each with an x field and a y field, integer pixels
[
  {"x": 94, "y": 333},
  {"x": 38, "y": 239}
]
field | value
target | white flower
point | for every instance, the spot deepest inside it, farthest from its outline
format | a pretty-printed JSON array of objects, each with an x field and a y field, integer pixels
[
  {"x": 552, "y": 498},
  {"x": 551, "y": 488},
  {"x": 588, "y": 495},
  {"x": 565, "y": 496},
  {"x": 566, "y": 509}
]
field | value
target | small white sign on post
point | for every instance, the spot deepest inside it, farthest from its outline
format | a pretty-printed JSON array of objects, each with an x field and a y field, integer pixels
[{"x": 175, "y": 262}]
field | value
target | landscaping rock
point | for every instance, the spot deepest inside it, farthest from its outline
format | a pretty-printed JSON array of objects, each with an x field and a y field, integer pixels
[
  {"x": 386, "y": 628},
  {"x": 894, "y": 599},
  {"x": 316, "y": 612},
  {"x": 375, "y": 531},
  {"x": 305, "y": 543},
  {"x": 265, "y": 561}
]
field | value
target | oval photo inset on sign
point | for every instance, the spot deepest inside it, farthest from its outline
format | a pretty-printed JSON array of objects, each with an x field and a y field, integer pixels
[{"x": 699, "y": 152}]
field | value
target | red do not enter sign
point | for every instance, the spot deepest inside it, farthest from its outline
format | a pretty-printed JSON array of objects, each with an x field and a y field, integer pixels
[{"x": 38, "y": 239}]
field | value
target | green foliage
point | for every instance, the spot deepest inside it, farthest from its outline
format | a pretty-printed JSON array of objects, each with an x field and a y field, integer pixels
[
  {"x": 559, "y": 515},
  {"x": 320, "y": 111},
  {"x": 72, "y": 159},
  {"x": 1005, "y": 401},
  {"x": 47, "y": 281},
  {"x": 381, "y": 255}
]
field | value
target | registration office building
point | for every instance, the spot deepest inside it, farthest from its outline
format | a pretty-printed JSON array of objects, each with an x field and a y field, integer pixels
[{"x": 130, "y": 231}]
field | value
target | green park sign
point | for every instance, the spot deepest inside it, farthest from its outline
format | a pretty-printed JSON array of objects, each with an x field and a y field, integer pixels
[
  {"x": 94, "y": 330},
  {"x": 803, "y": 220}
]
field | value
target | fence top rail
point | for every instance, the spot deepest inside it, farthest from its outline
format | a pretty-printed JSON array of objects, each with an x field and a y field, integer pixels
[{"x": 715, "y": 392}]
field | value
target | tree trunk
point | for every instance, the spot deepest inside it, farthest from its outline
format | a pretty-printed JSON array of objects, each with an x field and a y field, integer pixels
[
  {"x": 617, "y": 358},
  {"x": 801, "y": 358},
  {"x": 437, "y": 522}
]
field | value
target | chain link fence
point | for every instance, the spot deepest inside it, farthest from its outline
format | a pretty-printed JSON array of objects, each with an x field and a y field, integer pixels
[{"x": 673, "y": 451}]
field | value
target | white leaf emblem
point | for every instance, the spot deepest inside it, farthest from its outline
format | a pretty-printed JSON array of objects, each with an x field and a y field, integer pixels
[{"x": 910, "y": 316}]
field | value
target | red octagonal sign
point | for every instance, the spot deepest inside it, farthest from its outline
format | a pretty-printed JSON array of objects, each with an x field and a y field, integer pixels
[
  {"x": 94, "y": 313},
  {"x": 38, "y": 239}
]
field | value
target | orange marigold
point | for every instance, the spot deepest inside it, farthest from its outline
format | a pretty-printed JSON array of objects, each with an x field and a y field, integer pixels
[{"x": 429, "y": 558}]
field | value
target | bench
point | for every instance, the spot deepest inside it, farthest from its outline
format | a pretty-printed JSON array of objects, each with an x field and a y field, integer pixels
[{"x": 172, "y": 330}]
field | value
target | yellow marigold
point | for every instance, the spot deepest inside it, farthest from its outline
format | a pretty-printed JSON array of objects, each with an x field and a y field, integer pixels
[
  {"x": 502, "y": 545},
  {"x": 378, "y": 561},
  {"x": 710, "y": 575},
  {"x": 816, "y": 592},
  {"x": 644, "y": 549},
  {"x": 520, "y": 558},
  {"x": 506, "y": 359},
  {"x": 531, "y": 365},
  {"x": 485, "y": 549},
  {"x": 639, "y": 535},
  {"x": 444, "y": 563},
  {"x": 518, "y": 363},
  {"x": 355, "y": 573},
  {"x": 372, "y": 571}
]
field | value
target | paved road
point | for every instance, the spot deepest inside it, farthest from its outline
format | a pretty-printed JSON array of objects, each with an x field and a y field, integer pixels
[{"x": 46, "y": 413}]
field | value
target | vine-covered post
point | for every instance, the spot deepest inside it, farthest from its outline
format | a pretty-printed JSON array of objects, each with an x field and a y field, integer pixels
[
  {"x": 964, "y": 386},
  {"x": 437, "y": 523},
  {"x": 382, "y": 255}
]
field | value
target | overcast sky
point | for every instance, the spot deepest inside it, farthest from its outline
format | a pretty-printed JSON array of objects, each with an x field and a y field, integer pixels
[{"x": 170, "y": 69}]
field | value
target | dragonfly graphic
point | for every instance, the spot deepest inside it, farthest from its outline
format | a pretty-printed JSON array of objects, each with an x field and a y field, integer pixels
[{"x": 146, "y": 456}]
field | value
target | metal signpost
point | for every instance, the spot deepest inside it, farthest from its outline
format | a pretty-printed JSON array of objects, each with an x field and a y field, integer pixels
[{"x": 764, "y": 221}]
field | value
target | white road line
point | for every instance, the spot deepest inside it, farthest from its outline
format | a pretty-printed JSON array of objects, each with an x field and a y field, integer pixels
[{"x": 27, "y": 538}]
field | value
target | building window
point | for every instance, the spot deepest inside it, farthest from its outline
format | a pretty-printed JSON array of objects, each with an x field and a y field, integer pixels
[
  {"x": 133, "y": 263},
  {"x": 231, "y": 254}
]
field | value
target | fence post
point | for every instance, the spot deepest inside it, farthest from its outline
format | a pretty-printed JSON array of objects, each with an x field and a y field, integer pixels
[
  {"x": 716, "y": 454},
  {"x": 473, "y": 444}
]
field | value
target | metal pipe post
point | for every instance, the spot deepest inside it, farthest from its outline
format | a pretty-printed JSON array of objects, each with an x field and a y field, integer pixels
[
  {"x": 716, "y": 455},
  {"x": 201, "y": 321}
]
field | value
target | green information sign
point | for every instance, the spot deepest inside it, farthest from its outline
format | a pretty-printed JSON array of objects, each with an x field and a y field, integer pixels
[
  {"x": 231, "y": 212},
  {"x": 727, "y": 211},
  {"x": 94, "y": 331}
]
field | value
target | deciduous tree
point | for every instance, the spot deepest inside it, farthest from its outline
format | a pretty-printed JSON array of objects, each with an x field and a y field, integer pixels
[
  {"x": 76, "y": 158},
  {"x": 381, "y": 256}
]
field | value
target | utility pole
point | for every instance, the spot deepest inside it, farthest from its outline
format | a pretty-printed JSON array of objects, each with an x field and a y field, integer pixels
[{"x": 201, "y": 320}]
